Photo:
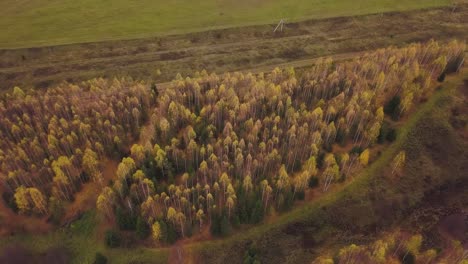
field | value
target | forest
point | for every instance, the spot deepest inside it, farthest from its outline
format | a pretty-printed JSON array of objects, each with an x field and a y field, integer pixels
[
  {"x": 229, "y": 150},
  {"x": 224, "y": 151},
  {"x": 54, "y": 141}
]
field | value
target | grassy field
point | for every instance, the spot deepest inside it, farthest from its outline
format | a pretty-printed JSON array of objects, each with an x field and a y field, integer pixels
[
  {"x": 254, "y": 47},
  {"x": 372, "y": 202},
  {"x": 29, "y": 23}
]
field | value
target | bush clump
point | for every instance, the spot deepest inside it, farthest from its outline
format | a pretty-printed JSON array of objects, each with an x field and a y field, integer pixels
[{"x": 112, "y": 238}]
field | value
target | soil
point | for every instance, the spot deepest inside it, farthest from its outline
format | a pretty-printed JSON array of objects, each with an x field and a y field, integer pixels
[{"x": 86, "y": 198}]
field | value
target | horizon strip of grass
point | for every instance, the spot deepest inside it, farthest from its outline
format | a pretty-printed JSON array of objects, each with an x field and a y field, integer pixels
[{"x": 57, "y": 22}]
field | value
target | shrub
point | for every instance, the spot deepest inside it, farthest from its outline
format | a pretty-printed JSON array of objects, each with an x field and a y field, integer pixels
[
  {"x": 100, "y": 259},
  {"x": 320, "y": 158},
  {"x": 235, "y": 221},
  {"x": 356, "y": 150},
  {"x": 125, "y": 221},
  {"x": 392, "y": 108},
  {"x": 313, "y": 182},
  {"x": 257, "y": 213},
  {"x": 387, "y": 133},
  {"x": 220, "y": 225},
  {"x": 391, "y": 135},
  {"x": 225, "y": 227},
  {"x": 407, "y": 258},
  {"x": 142, "y": 228},
  {"x": 163, "y": 227},
  {"x": 441, "y": 78},
  {"x": 112, "y": 238},
  {"x": 251, "y": 257},
  {"x": 288, "y": 202},
  {"x": 300, "y": 195},
  {"x": 56, "y": 210},
  {"x": 342, "y": 178}
]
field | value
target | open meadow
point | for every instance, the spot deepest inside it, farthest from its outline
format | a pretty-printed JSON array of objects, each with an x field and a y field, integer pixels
[{"x": 43, "y": 23}]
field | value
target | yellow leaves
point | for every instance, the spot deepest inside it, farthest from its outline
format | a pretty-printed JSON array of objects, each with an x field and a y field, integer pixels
[
  {"x": 156, "y": 233},
  {"x": 374, "y": 132},
  {"x": 414, "y": 243},
  {"x": 171, "y": 214},
  {"x": 247, "y": 183},
  {"x": 203, "y": 167},
  {"x": 364, "y": 157},
  {"x": 139, "y": 176},
  {"x": 164, "y": 125},
  {"x": 380, "y": 251},
  {"x": 230, "y": 191},
  {"x": 185, "y": 177},
  {"x": 147, "y": 206},
  {"x": 224, "y": 179},
  {"x": 90, "y": 164},
  {"x": 317, "y": 113},
  {"x": 21, "y": 199},
  {"x": 406, "y": 102},
  {"x": 380, "y": 80},
  {"x": 323, "y": 260},
  {"x": 230, "y": 202},
  {"x": 105, "y": 201},
  {"x": 27, "y": 199},
  {"x": 15, "y": 130},
  {"x": 311, "y": 166},
  {"x": 200, "y": 215},
  {"x": 18, "y": 93},
  {"x": 67, "y": 120},
  {"x": 398, "y": 162},
  {"x": 283, "y": 181},
  {"x": 301, "y": 181},
  {"x": 125, "y": 167},
  {"x": 160, "y": 156},
  {"x": 330, "y": 160},
  {"x": 379, "y": 114},
  {"x": 137, "y": 152},
  {"x": 38, "y": 200}
]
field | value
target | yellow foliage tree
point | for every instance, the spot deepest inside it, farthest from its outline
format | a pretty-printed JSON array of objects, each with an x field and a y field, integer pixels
[{"x": 364, "y": 157}]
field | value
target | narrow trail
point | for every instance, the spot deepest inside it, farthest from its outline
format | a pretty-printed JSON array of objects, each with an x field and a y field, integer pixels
[
  {"x": 144, "y": 56},
  {"x": 86, "y": 198},
  {"x": 177, "y": 254},
  {"x": 302, "y": 63}
]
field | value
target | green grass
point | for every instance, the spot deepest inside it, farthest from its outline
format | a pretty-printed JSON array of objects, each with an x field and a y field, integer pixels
[
  {"x": 28, "y": 23},
  {"x": 82, "y": 243}
]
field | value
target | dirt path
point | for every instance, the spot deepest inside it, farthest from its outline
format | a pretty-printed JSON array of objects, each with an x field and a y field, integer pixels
[
  {"x": 86, "y": 198},
  {"x": 177, "y": 254}
]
